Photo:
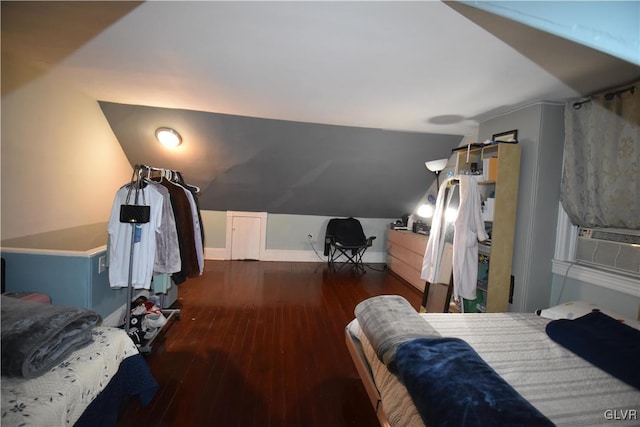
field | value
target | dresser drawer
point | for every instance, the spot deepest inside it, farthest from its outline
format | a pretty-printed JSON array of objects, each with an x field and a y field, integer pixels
[
  {"x": 406, "y": 271},
  {"x": 412, "y": 241},
  {"x": 405, "y": 251}
]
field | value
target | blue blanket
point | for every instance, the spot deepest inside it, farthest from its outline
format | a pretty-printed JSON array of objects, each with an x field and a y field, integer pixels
[
  {"x": 451, "y": 385},
  {"x": 132, "y": 379},
  {"x": 603, "y": 341}
]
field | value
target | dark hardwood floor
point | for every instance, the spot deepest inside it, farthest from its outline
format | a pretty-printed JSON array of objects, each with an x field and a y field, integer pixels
[{"x": 262, "y": 344}]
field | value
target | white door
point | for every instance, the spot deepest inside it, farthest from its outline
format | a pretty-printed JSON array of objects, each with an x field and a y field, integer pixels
[{"x": 245, "y": 237}]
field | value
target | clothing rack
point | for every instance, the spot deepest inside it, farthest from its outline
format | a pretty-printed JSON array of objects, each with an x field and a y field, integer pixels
[
  {"x": 170, "y": 174},
  {"x": 138, "y": 181}
]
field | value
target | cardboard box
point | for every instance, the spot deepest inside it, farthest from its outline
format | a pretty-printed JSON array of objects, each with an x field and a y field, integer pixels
[{"x": 490, "y": 169}]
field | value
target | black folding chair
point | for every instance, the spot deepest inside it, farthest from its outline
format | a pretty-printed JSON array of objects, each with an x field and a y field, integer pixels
[{"x": 345, "y": 238}]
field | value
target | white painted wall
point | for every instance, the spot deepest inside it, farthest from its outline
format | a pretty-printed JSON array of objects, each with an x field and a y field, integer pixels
[{"x": 61, "y": 163}]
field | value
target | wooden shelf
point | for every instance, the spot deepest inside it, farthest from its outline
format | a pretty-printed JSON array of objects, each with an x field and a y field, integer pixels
[{"x": 504, "y": 190}]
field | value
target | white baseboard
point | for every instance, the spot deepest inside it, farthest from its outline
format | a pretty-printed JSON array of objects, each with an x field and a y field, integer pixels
[{"x": 291, "y": 256}]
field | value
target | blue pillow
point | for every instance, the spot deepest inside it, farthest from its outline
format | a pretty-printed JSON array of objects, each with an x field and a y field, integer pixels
[{"x": 603, "y": 341}]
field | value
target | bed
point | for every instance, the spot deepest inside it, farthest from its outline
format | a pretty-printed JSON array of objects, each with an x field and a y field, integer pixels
[
  {"x": 566, "y": 389},
  {"x": 60, "y": 368}
]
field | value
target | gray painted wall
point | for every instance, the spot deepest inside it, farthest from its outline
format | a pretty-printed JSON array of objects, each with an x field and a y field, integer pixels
[
  {"x": 284, "y": 167},
  {"x": 541, "y": 134}
]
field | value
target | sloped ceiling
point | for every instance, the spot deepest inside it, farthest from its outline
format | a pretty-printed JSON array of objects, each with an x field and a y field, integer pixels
[
  {"x": 414, "y": 66},
  {"x": 278, "y": 166},
  {"x": 429, "y": 68}
]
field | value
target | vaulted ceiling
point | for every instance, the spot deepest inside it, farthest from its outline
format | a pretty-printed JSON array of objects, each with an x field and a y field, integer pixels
[
  {"x": 423, "y": 66},
  {"x": 427, "y": 67}
]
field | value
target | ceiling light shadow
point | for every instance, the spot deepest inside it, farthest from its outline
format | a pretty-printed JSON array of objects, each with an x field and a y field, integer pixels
[{"x": 446, "y": 119}]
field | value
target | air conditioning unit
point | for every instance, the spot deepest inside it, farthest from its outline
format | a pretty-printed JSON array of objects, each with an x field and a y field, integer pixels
[{"x": 613, "y": 249}]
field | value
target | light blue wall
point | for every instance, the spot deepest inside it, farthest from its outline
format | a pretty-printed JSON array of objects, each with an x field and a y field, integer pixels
[
  {"x": 609, "y": 26},
  {"x": 68, "y": 280},
  {"x": 290, "y": 232},
  {"x": 215, "y": 228}
]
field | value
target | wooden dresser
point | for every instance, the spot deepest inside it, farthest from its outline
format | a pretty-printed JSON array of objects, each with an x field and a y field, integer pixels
[{"x": 405, "y": 251}]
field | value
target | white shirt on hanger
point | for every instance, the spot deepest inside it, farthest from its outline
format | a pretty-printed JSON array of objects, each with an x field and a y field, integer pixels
[{"x": 144, "y": 249}]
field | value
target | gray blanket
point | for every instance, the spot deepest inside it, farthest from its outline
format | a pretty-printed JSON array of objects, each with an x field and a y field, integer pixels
[
  {"x": 388, "y": 321},
  {"x": 36, "y": 337}
]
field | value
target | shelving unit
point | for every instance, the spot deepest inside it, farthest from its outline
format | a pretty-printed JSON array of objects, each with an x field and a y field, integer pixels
[{"x": 501, "y": 184}]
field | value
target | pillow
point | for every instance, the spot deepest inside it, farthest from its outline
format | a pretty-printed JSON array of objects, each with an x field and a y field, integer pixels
[
  {"x": 574, "y": 309},
  {"x": 602, "y": 341}
]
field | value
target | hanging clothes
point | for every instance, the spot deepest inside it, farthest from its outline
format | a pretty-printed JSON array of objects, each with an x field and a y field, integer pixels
[
  {"x": 469, "y": 229},
  {"x": 194, "y": 191},
  {"x": 144, "y": 247},
  {"x": 161, "y": 283},
  {"x": 167, "y": 249},
  {"x": 147, "y": 240},
  {"x": 197, "y": 228},
  {"x": 185, "y": 229},
  {"x": 433, "y": 251},
  {"x": 167, "y": 258}
]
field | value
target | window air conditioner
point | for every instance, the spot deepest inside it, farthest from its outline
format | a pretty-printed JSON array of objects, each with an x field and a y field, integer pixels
[{"x": 613, "y": 249}]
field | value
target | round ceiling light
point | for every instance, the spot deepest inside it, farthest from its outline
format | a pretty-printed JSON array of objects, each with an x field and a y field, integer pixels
[{"x": 168, "y": 137}]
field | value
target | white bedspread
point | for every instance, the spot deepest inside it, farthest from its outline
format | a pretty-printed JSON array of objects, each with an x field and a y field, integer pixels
[
  {"x": 59, "y": 397},
  {"x": 565, "y": 388}
]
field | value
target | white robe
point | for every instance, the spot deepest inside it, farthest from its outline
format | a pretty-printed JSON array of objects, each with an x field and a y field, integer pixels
[
  {"x": 433, "y": 251},
  {"x": 469, "y": 229}
]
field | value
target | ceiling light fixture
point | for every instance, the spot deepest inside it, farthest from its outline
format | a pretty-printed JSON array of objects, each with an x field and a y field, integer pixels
[{"x": 168, "y": 137}]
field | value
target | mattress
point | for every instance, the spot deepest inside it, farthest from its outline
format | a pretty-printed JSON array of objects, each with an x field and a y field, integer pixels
[
  {"x": 60, "y": 396},
  {"x": 565, "y": 388}
]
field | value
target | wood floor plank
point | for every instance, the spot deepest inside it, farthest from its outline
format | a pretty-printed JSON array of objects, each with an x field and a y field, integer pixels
[{"x": 261, "y": 344}]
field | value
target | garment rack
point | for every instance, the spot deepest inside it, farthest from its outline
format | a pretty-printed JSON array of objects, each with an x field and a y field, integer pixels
[{"x": 146, "y": 346}]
